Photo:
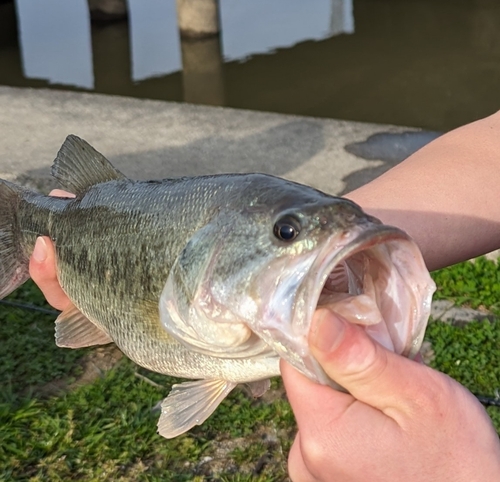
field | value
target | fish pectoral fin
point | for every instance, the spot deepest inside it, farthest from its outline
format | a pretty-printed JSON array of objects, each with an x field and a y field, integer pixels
[
  {"x": 190, "y": 404},
  {"x": 259, "y": 387},
  {"x": 75, "y": 330},
  {"x": 79, "y": 166}
]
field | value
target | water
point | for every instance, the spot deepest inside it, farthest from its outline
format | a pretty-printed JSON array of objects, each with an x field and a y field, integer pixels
[{"x": 428, "y": 63}]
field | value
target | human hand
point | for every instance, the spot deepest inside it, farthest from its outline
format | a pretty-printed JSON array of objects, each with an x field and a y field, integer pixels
[
  {"x": 402, "y": 420},
  {"x": 43, "y": 267}
]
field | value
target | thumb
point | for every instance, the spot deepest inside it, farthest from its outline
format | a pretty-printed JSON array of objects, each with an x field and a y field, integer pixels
[
  {"x": 363, "y": 367},
  {"x": 43, "y": 266},
  {"x": 43, "y": 272}
]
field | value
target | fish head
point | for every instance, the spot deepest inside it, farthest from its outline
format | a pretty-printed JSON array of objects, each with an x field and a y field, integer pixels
[{"x": 258, "y": 273}]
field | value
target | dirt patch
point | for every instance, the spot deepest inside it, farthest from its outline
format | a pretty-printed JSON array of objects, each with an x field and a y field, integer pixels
[
  {"x": 96, "y": 364},
  {"x": 93, "y": 365},
  {"x": 256, "y": 455}
]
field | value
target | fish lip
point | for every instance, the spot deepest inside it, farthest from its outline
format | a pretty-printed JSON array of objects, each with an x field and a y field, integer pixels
[
  {"x": 374, "y": 235},
  {"x": 329, "y": 258},
  {"x": 334, "y": 252}
]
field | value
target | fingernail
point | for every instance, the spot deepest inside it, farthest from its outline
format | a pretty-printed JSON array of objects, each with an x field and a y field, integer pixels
[
  {"x": 327, "y": 331},
  {"x": 40, "y": 251}
]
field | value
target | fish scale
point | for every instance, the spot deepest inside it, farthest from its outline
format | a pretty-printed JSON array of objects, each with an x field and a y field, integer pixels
[{"x": 126, "y": 304}]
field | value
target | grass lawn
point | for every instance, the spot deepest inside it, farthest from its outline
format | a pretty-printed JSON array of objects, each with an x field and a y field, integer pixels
[{"x": 67, "y": 415}]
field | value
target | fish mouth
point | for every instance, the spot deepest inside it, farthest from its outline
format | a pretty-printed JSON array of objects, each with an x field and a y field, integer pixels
[{"x": 375, "y": 278}]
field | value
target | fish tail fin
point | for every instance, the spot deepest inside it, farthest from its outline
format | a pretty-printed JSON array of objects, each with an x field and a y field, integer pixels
[{"x": 14, "y": 264}]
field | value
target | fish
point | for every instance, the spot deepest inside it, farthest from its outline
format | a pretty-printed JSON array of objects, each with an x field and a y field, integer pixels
[{"x": 211, "y": 278}]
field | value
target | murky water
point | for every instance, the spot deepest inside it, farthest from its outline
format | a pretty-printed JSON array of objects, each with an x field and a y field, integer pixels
[{"x": 427, "y": 63}]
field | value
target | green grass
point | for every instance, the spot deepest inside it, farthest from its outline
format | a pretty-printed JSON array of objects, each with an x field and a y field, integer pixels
[
  {"x": 29, "y": 358},
  {"x": 474, "y": 284},
  {"x": 470, "y": 354},
  {"x": 105, "y": 430}
]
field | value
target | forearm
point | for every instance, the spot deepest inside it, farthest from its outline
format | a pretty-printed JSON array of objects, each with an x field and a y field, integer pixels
[{"x": 446, "y": 195}]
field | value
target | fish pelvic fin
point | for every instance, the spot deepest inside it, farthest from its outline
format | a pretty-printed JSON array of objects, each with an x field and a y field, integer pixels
[
  {"x": 79, "y": 166},
  {"x": 75, "y": 330},
  {"x": 14, "y": 263},
  {"x": 190, "y": 404},
  {"x": 259, "y": 387}
]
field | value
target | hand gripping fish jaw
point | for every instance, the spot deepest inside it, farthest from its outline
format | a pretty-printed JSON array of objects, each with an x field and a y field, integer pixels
[
  {"x": 377, "y": 279},
  {"x": 371, "y": 274}
]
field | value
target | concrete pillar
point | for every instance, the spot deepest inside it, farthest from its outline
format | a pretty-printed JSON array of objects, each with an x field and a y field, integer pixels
[
  {"x": 202, "y": 71},
  {"x": 341, "y": 17},
  {"x": 112, "y": 69},
  {"x": 107, "y": 10},
  {"x": 198, "y": 18}
]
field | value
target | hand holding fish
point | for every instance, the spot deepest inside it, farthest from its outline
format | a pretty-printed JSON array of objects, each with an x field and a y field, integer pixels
[{"x": 403, "y": 421}]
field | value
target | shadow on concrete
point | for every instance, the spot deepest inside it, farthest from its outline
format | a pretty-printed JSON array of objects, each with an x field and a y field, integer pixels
[
  {"x": 276, "y": 151},
  {"x": 389, "y": 147}
]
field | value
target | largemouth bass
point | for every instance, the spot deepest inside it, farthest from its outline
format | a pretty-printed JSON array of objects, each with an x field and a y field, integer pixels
[{"x": 211, "y": 278}]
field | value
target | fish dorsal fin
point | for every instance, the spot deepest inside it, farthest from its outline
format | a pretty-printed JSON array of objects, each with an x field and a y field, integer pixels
[
  {"x": 79, "y": 166},
  {"x": 190, "y": 404},
  {"x": 75, "y": 330}
]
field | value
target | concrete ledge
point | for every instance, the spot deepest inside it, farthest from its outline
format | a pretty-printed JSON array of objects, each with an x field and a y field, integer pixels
[
  {"x": 448, "y": 312},
  {"x": 156, "y": 139}
]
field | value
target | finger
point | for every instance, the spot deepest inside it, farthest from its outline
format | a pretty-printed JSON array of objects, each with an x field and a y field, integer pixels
[
  {"x": 43, "y": 271},
  {"x": 308, "y": 398},
  {"x": 368, "y": 371},
  {"x": 61, "y": 193},
  {"x": 331, "y": 424},
  {"x": 322, "y": 412},
  {"x": 297, "y": 469}
]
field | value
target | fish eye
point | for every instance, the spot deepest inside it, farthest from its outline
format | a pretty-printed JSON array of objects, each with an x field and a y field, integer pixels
[{"x": 287, "y": 228}]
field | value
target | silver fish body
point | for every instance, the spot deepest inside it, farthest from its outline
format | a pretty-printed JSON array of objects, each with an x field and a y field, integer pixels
[{"x": 212, "y": 278}]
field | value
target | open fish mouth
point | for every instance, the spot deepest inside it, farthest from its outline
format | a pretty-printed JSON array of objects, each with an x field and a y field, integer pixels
[
  {"x": 375, "y": 278},
  {"x": 371, "y": 274}
]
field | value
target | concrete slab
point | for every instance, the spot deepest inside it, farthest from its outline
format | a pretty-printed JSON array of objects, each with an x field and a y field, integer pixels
[
  {"x": 448, "y": 312},
  {"x": 156, "y": 139}
]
